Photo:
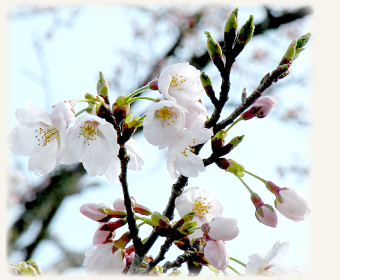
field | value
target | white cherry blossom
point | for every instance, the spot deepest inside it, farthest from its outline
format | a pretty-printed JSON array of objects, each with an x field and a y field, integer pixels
[
  {"x": 203, "y": 202},
  {"x": 105, "y": 259},
  {"x": 260, "y": 264},
  {"x": 181, "y": 83},
  {"x": 164, "y": 121},
  {"x": 40, "y": 136},
  {"x": 181, "y": 159},
  {"x": 93, "y": 141}
]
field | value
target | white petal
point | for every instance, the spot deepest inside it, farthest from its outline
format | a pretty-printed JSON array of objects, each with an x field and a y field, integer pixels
[
  {"x": 43, "y": 159},
  {"x": 114, "y": 170}
]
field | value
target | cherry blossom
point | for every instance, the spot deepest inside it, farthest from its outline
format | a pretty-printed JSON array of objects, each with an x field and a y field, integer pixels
[
  {"x": 260, "y": 264},
  {"x": 95, "y": 211},
  {"x": 203, "y": 202},
  {"x": 93, "y": 141},
  {"x": 164, "y": 121},
  {"x": 40, "y": 136},
  {"x": 181, "y": 159},
  {"x": 217, "y": 254},
  {"x": 292, "y": 204},
  {"x": 223, "y": 228},
  {"x": 101, "y": 236},
  {"x": 267, "y": 215},
  {"x": 181, "y": 83},
  {"x": 260, "y": 108},
  {"x": 105, "y": 259}
]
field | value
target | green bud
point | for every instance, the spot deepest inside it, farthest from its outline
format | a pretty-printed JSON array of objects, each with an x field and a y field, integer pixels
[
  {"x": 219, "y": 135},
  {"x": 301, "y": 42},
  {"x": 236, "y": 141},
  {"x": 206, "y": 81},
  {"x": 122, "y": 241},
  {"x": 230, "y": 30},
  {"x": 156, "y": 216},
  {"x": 235, "y": 168},
  {"x": 232, "y": 21},
  {"x": 35, "y": 266},
  {"x": 89, "y": 96},
  {"x": 214, "y": 48},
  {"x": 27, "y": 270},
  {"x": 290, "y": 53},
  {"x": 246, "y": 32},
  {"x": 102, "y": 86}
]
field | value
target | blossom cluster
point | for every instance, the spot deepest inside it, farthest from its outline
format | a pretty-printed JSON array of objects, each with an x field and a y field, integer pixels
[
  {"x": 177, "y": 123},
  {"x": 48, "y": 140}
]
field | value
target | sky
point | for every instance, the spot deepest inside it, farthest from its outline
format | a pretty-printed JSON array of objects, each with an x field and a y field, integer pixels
[{"x": 74, "y": 58}]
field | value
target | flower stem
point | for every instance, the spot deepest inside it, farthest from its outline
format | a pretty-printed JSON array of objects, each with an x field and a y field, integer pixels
[
  {"x": 250, "y": 191},
  {"x": 239, "y": 262},
  {"x": 233, "y": 269},
  {"x": 141, "y": 97},
  {"x": 255, "y": 176},
  {"x": 81, "y": 100},
  {"x": 137, "y": 91},
  {"x": 234, "y": 123},
  {"x": 80, "y": 112}
]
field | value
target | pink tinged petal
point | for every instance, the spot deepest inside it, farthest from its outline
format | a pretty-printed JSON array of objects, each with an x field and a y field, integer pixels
[
  {"x": 223, "y": 228},
  {"x": 94, "y": 211},
  {"x": 119, "y": 204},
  {"x": 294, "y": 205},
  {"x": 215, "y": 208},
  {"x": 216, "y": 254},
  {"x": 101, "y": 236},
  {"x": 43, "y": 159},
  {"x": 267, "y": 216},
  {"x": 62, "y": 115}
]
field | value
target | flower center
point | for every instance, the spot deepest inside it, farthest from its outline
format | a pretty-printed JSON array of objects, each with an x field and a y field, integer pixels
[
  {"x": 46, "y": 135},
  {"x": 176, "y": 81},
  {"x": 167, "y": 115},
  {"x": 88, "y": 131},
  {"x": 200, "y": 207}
]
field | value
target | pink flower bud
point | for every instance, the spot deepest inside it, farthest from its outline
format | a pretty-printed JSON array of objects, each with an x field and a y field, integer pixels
[
  {"x": 101, "y": 236},
  {"x": 216, "y": 254},
  {"x": 292, "y": 204},
  {"x": 95, "y": 211},
  {"x": 264, "y": 212},
  {"x": 267, "y": 215},
  {"x": 260, "y": 109},
  {"x": 222, "y": 228}
]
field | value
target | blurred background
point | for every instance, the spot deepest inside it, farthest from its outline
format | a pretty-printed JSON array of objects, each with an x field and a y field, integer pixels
[{"x": 56, "y": 53}]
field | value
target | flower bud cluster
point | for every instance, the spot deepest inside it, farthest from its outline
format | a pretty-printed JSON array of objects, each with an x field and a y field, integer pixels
[{"x": 109, "y": 255}]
